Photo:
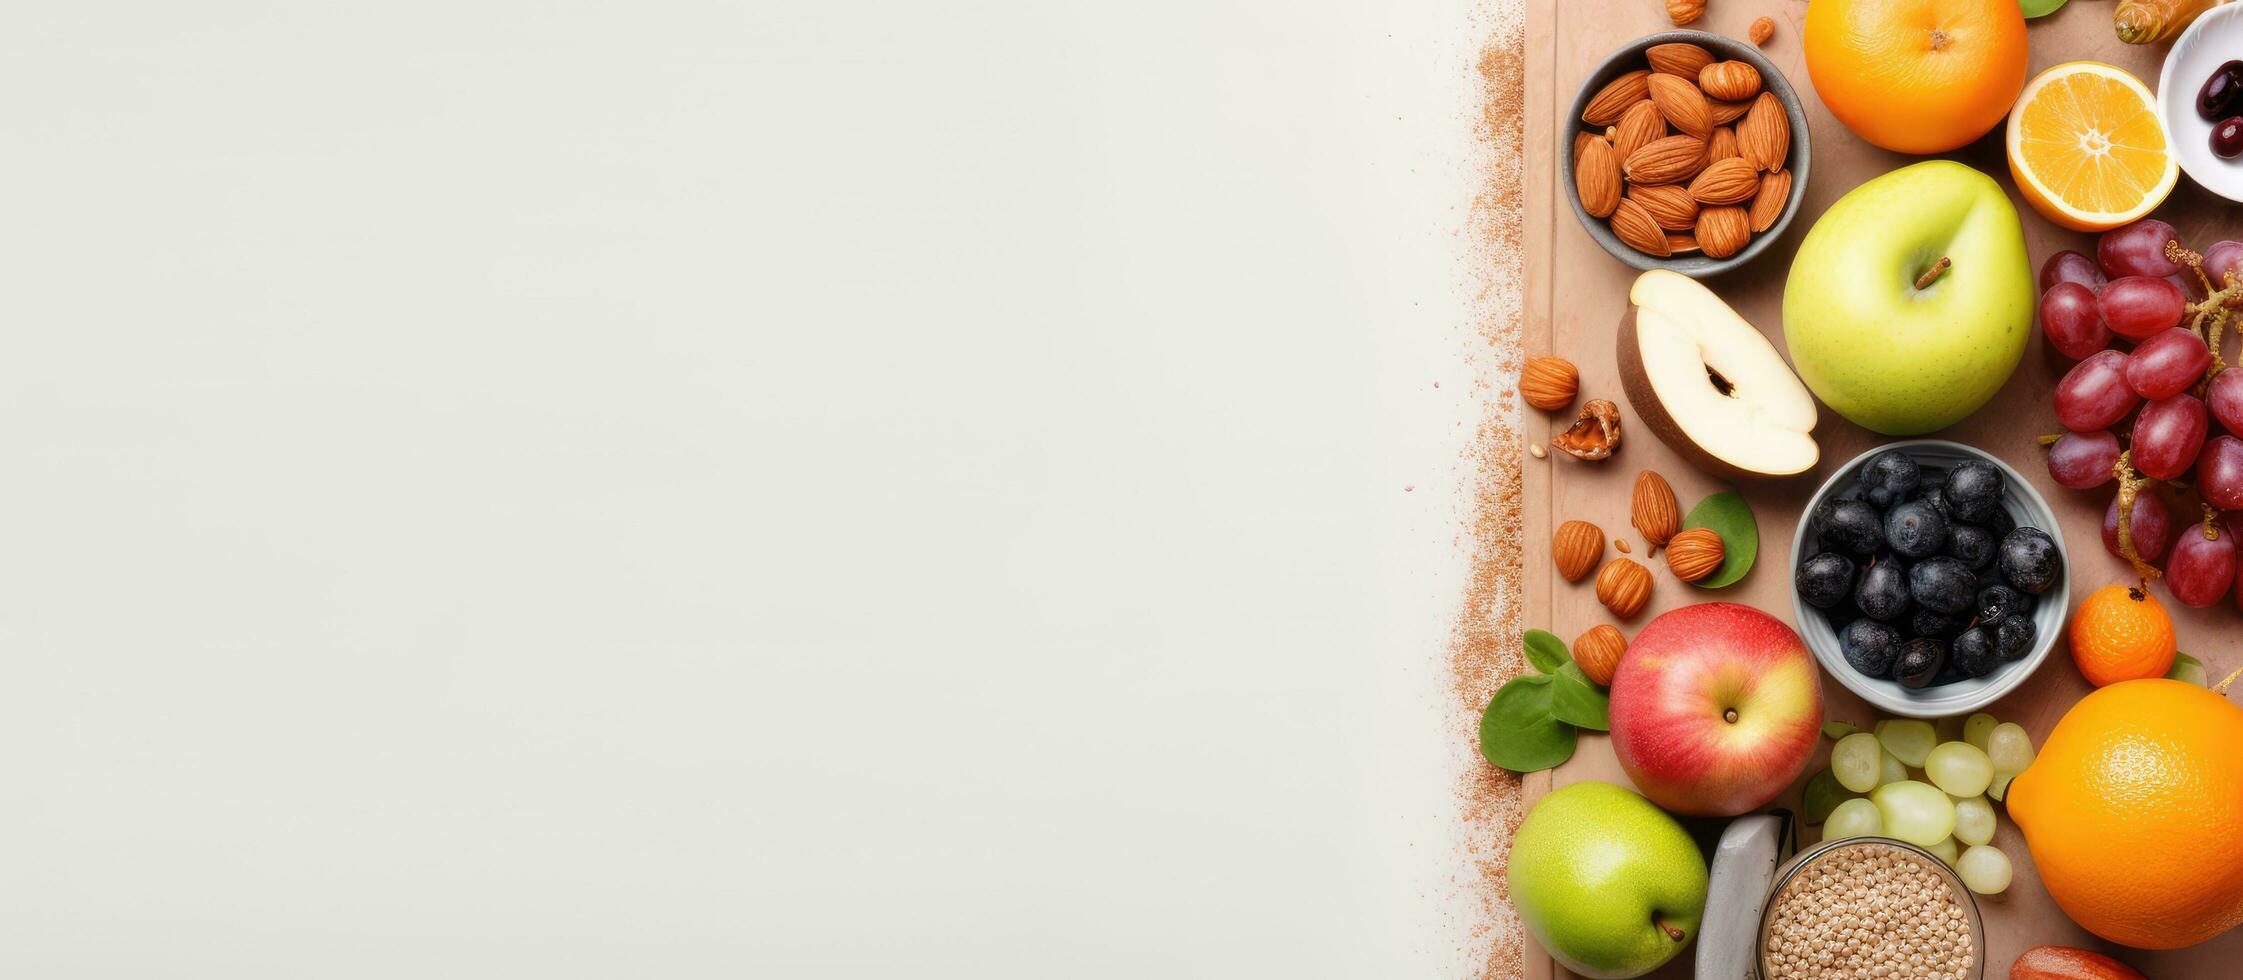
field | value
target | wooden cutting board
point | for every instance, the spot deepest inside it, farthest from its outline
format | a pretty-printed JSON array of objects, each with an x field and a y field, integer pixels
[{"x": 1575, "y": 295}]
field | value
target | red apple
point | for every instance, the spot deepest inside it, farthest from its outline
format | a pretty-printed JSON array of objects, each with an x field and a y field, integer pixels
[{"x": 1715, "y": 709}]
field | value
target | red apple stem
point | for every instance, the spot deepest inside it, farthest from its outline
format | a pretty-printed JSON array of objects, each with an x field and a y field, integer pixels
[
  {"x": 1932, "y": 274},
  {"x": 1672, "y": 932}
]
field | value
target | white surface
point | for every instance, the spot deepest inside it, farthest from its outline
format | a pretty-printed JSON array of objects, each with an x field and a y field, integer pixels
[
  {"x": 513, "y": 489},
  {"x": 2215, "y": 39}
]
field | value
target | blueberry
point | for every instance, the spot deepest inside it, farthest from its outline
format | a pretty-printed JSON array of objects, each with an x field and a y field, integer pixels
[
  {"x": 1915, "y": 529},
  {"x": 1889, "y": 477},
  {"x": 1882, "y": 592},
  {"x": 1937, "y": 626},
  {"x": 1932, "y": 498},
  {"x": 1974, "y": 653},
  {"x": 1825, "y": 580},
  {"x": 1943, "y": 585},
  {"x": 1870, "y": 647},
  {"x": 2014, "y": 637},
  {"x": 1972, "y": 544},
  {"x": 2028, "y": 560},
  {"x": 1973, "y": 490},
  {"x": 1999, "y": 602},
  {"x": 1920, "y": 660},
  {"x": 1851, "y": 527}
]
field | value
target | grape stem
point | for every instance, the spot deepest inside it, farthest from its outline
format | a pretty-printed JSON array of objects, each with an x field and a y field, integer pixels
[
  {"x": 2051, "y": 438},
  {"x": 2208, "y": 318},
  {"x": 2130, "y": 485}
]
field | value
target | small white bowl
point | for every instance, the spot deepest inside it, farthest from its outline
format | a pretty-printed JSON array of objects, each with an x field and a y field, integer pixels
[
  {"x": 1961, "y": 697},
  {"x": 2214, "y": 40}
]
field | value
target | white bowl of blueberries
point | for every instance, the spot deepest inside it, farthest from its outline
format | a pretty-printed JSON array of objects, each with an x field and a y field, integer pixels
[{"x": 1929, "y": 578}]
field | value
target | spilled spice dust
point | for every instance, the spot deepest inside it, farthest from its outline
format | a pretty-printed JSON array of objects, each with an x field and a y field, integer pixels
[{"x": 1484, "y": 642}]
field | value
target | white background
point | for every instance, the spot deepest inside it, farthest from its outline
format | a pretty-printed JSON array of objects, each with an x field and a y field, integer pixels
[{"x": 525, "y": 489}]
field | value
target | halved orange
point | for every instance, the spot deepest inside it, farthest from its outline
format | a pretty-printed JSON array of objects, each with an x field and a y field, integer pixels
[{"x": 2086, "y": 147}]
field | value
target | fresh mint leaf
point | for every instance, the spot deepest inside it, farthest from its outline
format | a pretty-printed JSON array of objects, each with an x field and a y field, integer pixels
[
  {"x": 1545, "y": 651},
  {"x": 1517, "y": 731}
]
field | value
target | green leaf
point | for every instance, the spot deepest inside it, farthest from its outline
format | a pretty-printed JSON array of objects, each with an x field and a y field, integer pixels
[
  {"x": 1727, "y": 515},
  {"x": 1545, "y": 651},
  {"x": 1823, "y": 795},
  {"x": 1517, "y": 732},
  {"x": 2039, "y": 8},
  {"x": 2189, "y": 670},
  {"x": 1577, "y": 702},
  {"x": 1835, "y": 729}
]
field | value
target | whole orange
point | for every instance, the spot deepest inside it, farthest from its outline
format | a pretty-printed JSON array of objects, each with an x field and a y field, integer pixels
[
  {"x": 1917, "y": 76},
  {"x": 2121, "y": 633},
  {"x": 2131, "y": 808}
]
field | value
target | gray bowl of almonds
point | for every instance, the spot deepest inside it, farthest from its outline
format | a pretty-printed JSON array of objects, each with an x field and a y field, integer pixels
[{"x": 1688, "y": 151}]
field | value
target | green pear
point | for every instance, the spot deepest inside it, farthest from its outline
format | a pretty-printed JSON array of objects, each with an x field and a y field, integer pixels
[
  {"x": 1910, "y": 301},
  {"x": 1608, "y": 883}
]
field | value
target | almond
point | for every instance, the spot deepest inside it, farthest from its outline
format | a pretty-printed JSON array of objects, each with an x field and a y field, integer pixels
[
  {"x": 1598, "y": 652},
  {"x": 1667, "y": 160},
  {"x": 1763, "y": 28},
  {"x": 1685, "y": 11},
  {"x": 1725, "y": 113},
  {"x": 1729, "y": 81},
  {"x": 1769, "y": 204},
  {"x": 1549, "y": 383},
  {"x": 1576, "y": 548},
  {"x": 1681, "y": 242},
  {"x": 1722, "y": 145},
  {"x": 1694, "y": 554},
  {"x": 1652, "y": 509},
  {"x": 1764, "y": 134},
  {"x": 1684, "y": 106},
  {"x": 1731, "y": 181},
  {"x": 1615, "y": 97},
  {"x": 1596, "y": 177},
  {"x": 1723, "y": 230},
  {"x": 1581, "y": 142},
  {"x": 1638, "y": 126},
  {"x": 1678, "y": 58},
  {"x": 1669, "y": 204},
  {"x": 1624, "y": 587},
  {"x": 1634, "y": 226}
]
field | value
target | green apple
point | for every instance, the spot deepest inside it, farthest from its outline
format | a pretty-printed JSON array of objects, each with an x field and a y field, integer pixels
[
  {"x": 1910, "y": 301},
  {"x": 1608, "y": 883}
]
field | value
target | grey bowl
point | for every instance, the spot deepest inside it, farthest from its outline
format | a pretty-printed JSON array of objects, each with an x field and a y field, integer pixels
[
  {"x": 1961, "y": 697},
  {"x": 1630, "y": 58}
]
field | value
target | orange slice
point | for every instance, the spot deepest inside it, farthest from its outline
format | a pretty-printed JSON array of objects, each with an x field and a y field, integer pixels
[{"x": 2086, "y": 147}]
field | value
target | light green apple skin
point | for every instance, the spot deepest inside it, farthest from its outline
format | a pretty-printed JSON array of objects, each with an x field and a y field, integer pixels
[
  {"x": 1594, "y": 871},
  {"x": 1892, "y": 358}
]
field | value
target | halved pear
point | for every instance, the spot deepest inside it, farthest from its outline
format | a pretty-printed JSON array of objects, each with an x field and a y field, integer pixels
[{"x": 1710, "y": 384}]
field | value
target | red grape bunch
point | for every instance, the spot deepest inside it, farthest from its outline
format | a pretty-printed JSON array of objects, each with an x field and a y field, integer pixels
[{"x": 2140, "y": 416}]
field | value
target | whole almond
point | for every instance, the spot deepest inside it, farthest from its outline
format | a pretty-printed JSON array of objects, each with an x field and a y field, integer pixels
[
  {"x": 1634, "y": 226},
  {"x": 1764, "y": 134},
  {"x": 1637, "y": 127},
  {"x": 1725, "y": 113},
  {"x": 1652, "y": 509},
  {"x": 1624, "y": 587},
  {"x": 1684, "y": 106},
  {"x": 1694, "y": 554},
  {"x": 1596, "y": 175},
  {"x": 1731, "y": 181},
  {"x": 1615, "y": 97},
  {"x": 1576, "y": 548},
  {"x": 1581, "y": 142},
  {"x": 1667, "y": 160},
  {"x": 1681, "y": 243},
  {"x": 1685, "y": 11},
  {"x": 1729, "y": 81},
  {"x": 1669, "y": 204},
  {"x": 1723, "y": 230},
  {"x": 1598, "y": 652},
  {"x": 1678, "y": 58},
  {"x": 1768, "y": 205},
  {"x": 1549, "y": 383},
  {"x": 1763, "y": 28},
  {"x": 1722, "y": 145}
]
